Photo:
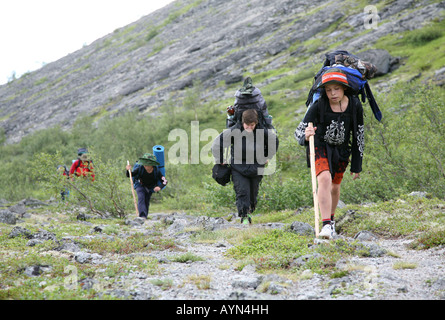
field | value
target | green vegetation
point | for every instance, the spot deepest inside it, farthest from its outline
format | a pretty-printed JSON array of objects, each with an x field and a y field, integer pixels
[
  {"x": 269, "y": 250},
  {"x": 403, "y": 217},
  {"x": 131, "y": 244},
  {"x": 290, "y": 254},
  {"x": 403, "y": 153},
  {"x": 61, "y": 276},
  {"x": 187, "y": 257},
  {"x": 421, "y": 50},
  {"x": 404, "y": 265},
  {"x": 423, "y": 36}
]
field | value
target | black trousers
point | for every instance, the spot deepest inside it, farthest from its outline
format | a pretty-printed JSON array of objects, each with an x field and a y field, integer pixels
[
  {"x": 246, "y": 191},
  {"x": 144, "y": 196}
]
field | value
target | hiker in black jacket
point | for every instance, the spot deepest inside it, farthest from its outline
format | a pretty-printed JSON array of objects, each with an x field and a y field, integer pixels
[
  {"x": 251, "y": 149},
  {"x": 338, "y": 135}
]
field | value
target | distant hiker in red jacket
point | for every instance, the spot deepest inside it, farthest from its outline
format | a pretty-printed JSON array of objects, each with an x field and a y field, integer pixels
[{"x": 83, "y": 166}]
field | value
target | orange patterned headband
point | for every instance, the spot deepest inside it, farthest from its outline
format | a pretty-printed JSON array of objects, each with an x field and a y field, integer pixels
[{"x": 334, "y": 76}]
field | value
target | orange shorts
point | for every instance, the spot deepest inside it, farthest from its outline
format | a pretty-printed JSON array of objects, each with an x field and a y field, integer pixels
[{"x": 322, "y": 164}]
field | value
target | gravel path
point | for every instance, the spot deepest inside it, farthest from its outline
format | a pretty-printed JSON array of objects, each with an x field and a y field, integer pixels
[
  {"x": 395, "y": 273},
  {"x": 422, "y": 276}
]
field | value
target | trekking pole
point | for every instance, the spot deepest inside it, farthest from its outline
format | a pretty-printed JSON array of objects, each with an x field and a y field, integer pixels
[
  {"x": 132, "y": 190},
  {"x": 314, "y": 180}
]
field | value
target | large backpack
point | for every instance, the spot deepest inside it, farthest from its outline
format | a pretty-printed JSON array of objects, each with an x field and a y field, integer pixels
[
  {"x": 249, "y": 97},
  {"x": 357, "y": 71}
]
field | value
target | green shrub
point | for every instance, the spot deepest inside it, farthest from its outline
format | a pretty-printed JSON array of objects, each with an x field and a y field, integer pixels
[
  {"x": 422, "y": 36},
  {"x": 186, "y": 257},
  {"x": 403, "y": 153},
  {"x": 109, "y": 193},
  {"x": 271, "y": 249},
  {"x": 429, "y": 240}
]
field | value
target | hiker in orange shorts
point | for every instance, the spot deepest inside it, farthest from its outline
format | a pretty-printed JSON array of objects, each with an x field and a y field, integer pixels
[{"x": 338, "y": 137}]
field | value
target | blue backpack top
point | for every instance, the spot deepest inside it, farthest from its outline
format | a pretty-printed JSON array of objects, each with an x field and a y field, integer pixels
[{"x": 357, "y": 72}]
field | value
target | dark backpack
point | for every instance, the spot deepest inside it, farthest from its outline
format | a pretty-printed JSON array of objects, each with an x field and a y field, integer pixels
[
  {"x": 249, "y": 97},
  {"x": 357, "y": 71},
  {"x": 222, "y": 173}
]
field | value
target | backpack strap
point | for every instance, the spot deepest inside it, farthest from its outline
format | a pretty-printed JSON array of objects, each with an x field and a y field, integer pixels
[
  {"x": 354, "y": 119},
  {"x": 221, "y": 148},
  {"x": 372, "y": 103},
  {"x": 136, "y": 169}
]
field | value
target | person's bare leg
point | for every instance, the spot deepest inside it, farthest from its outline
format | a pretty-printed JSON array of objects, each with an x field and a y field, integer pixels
[
  {"x": 324, "y": 194},
  {"x": 335, "y": 196}
]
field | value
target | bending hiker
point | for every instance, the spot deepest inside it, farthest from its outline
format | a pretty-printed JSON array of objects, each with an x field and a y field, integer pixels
[
  {"x": 339, "y": 133},
  {"x": 147, "y": 179},
  {"x": 251, "y": 148},
  {"x": 83, "y": 166}
]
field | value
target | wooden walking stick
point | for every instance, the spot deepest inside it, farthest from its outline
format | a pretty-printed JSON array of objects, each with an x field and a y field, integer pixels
[
  {"x": 314, "y": 181},
  {"x": 132, "y": 190}
]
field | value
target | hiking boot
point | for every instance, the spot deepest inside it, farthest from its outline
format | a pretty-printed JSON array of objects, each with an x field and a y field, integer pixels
[
  {"x": 327, "y": 232},
  {"x": 246, "y": 219},
  {"x": 334, "y": 233}
]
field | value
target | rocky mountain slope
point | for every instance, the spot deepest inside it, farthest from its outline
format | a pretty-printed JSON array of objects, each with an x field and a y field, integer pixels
[{"x": 214, "y": 41}]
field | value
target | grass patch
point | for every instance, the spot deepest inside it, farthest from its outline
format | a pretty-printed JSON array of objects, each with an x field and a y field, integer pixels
[
  {"x": 271, "y": 249},
  {"x": 134, "y": 243},
  {"x": 51, "y": 283},
  {"x": 404, "y": 265},
  {"x": 283, "y": 251},
  {"x": 165, "y": 284},
  {"x": 421, "y": 50},
  {"x": 421, "y": 37},
  {"x": 429, "y": 240},
  {"x": 202, "y": 282},
  {"x": 288, "y": 253},
  {"x": 396, "y": 218},
  {"x": 187, "y": 258}
]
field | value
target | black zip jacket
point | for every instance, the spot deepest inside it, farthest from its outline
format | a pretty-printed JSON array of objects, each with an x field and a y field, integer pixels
[
  {"x": 249, "y": 151},
  {"x": 342, "y": 133}
]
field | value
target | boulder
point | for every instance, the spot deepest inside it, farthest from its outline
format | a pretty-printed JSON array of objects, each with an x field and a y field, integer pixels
[
  {"x": 380, "y": 58},
  {"x": 302, "y": 228},
  {"x": 19, "y": 232},
  {"x": 7, "y": 217}
]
